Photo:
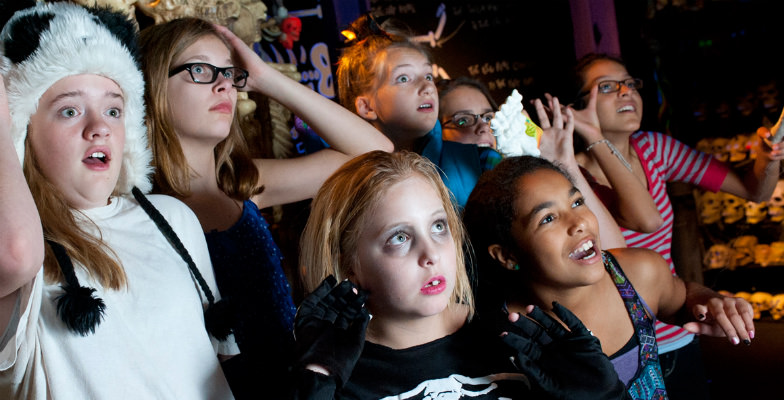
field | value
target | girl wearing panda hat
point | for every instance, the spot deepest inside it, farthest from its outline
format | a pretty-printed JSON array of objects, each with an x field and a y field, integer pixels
[{"x": 103, "y": 291}]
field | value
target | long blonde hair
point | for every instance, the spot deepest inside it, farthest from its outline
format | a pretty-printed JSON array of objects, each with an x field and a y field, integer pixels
[
  {"x": 160, "y": 45},
  {"x": 60, "y": 224},
  {"x": 345, "y": 202}
]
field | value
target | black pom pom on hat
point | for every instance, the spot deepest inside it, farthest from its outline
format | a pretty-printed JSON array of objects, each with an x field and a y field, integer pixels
[{"x": 79, "y": 309}]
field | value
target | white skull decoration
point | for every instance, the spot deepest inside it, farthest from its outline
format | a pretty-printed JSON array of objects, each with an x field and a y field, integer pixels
[
  {"x": 776, "y": 203},
  {"x": 777, "y": 306},
  {"x": 710, "y": 207},
  {"x": 743, "y": 250},
  {"x": 733, "y": 208},
  {"x": 718, "y": 256},
  {"x": 737, "y": 148},
  {"x": 756, "y": 212},
  {"x": 760, "y": 302}
]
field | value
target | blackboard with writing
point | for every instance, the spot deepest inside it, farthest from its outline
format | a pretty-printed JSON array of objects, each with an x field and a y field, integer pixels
[{"x": 507, "y": 44}]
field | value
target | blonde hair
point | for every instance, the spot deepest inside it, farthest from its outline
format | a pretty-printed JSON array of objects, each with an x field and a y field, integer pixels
[
  {"x": 160, "y": 45},
  {"x": 346, "y": 201},
  {"x": 361, "y": 64},
  {"x": 61, "y": 225}
]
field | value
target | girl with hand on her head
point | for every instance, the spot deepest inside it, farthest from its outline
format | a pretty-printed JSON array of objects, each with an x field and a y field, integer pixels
[
  {"x": 385, "y": 227},
  {"x": 193, "y": 71},
  {"x": 95, "y": 302},
  {"x": 629, "y": 170},
  {"x": 387, "y": 79},
  {"x": 538, "y": 243}
]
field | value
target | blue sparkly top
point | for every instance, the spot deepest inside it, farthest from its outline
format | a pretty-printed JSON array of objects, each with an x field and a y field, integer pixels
[{"x": 248, "y": 271}]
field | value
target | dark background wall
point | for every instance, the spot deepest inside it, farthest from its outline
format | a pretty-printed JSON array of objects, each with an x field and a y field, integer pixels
[{"x": 696, "y": 57}]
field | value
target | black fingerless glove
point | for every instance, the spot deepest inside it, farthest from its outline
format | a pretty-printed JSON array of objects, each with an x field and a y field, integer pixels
[
  {"x": 561, "y": 363},
  {"x": 329, "y": 329}
]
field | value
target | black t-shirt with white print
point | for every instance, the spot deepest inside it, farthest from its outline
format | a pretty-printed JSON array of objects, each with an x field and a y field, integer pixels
[{"x": 468, "y": 364}]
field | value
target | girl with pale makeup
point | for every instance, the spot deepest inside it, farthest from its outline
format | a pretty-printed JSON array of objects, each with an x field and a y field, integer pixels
[
  {"x": 537, "y": 243},
  {"x": 96, "y": 302},
  {"x": 629, "y": 169},
  {"x": 385, "y": 228},
  {"x": 193, "y": 71}
]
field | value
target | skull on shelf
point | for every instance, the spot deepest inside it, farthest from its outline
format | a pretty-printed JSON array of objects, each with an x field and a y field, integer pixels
[
  {"x": 737, "y": 148},
  {"x": 743, "y": 250},
  {"x": 709, "y": 206},
  {"x": 704, "y": 145},
  {"x": 776, "y": 203},
  {"x": 718, "y": 256},
  {"x": 756, "y": 212},
  {"x": 776, "y": 254},
  {"x": 760, "y": 302},
  {"x": 761, "y": 254},
  {"x": 777, "y": 306},
  {"x": 719, "y": 148},
  {"x": 733, "y": 208},
  {"x": 743, "y": 295}
]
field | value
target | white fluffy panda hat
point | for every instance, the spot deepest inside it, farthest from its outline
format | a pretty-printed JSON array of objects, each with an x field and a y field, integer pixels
[{"x": 49, "y": 41}]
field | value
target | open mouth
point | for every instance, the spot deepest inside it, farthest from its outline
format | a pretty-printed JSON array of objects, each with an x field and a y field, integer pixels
[
  {"x": 98, "y": 157},
  {"x": 425, "y": 106},
  {"x": 434, "y": 282},
  {"x": 584, "y": 252},
  {"x": 625, "y": 109}
]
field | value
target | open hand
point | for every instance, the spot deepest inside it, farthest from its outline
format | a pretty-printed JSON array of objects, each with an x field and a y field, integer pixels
[
  {"x": 732, "y": 317},
  {"x": 329, "y": 329},
  {"x": 562, "y": 362}
]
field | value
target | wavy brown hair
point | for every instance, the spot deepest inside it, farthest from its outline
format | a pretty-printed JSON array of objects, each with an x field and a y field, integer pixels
[
  {"x": 346, "y": 201},
  {"x": 160, "y": 45}
]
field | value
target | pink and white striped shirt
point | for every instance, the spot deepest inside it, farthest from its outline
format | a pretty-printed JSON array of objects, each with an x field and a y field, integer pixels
[{"x": 665, "y": 159}]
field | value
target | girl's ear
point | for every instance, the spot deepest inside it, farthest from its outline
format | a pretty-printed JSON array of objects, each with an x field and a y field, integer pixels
[
  {"x": 364, "y": 108},
  {"x": 504, "y": 258}
]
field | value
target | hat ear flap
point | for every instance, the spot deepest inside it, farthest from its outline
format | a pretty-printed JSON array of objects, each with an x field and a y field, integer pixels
[
  {"x": 9, "y": 8},
  {"x": 23, "y": 37},
  {"x": 120, "y": 27}
]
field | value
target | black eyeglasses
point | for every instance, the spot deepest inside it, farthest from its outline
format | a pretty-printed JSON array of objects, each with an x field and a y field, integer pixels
[
  {"x": 465, "y": 120},
  {"x": 614, "y": 86},
  {"x": 207, "y": 73}
]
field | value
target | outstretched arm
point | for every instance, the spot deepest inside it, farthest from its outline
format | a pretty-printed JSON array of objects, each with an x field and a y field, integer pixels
[
  {"x": 347, "y": 134},
  {"x": 698, "y": 308},
  {"x": 556, "y": 145},
  {"x": 759, "y": 182},
  {"x": 21, "y": 236},
  {"x": 636, "y": 209}
]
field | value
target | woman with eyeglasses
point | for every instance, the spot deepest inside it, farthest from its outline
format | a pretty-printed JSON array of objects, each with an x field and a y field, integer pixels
[
  {"x": 193, "y": 71},
  {"x": 629, "y": 170},
  {"x": 465, "y": 110}
]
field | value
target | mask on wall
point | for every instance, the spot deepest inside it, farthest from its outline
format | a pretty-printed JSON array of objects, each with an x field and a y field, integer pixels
[
  {"x": 756, "y": 212},
  {"x": 709, "y": 206},
  {"x": 733, "y": 208}
]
